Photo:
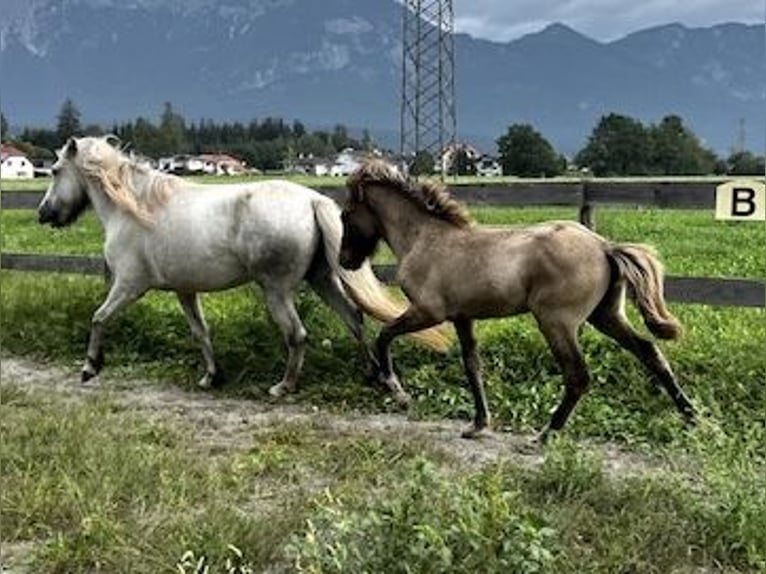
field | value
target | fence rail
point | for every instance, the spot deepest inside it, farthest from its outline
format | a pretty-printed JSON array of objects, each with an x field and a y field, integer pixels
[
  {"x": 679, "y": 194},
  {"x": 583, "y": 195}
]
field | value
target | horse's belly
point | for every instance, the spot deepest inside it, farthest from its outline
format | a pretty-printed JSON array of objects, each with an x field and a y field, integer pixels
[
  {"x": 222, "y": 274},
  {"x": 486, "y": 300}
]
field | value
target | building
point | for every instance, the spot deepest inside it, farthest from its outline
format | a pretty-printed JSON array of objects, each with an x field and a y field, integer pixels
[
  {"x": 14, "y": 164},
  {"x": 222, "y": 164}
]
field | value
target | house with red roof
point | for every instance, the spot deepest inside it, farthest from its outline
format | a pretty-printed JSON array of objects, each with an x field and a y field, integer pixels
[{"x": 14, "y": 164}]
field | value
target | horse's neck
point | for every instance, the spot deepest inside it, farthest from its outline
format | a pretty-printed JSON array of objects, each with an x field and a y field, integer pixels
[
  {"x": 402, "y": 221},
  {"x": 107, "y": 212},
  {"x": 105, "y": 209}
]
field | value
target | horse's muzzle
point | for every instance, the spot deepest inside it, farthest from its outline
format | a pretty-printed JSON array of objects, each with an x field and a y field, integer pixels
[
  {"x": 347, "y": 261},
  {"x": 46, "y": 214}
]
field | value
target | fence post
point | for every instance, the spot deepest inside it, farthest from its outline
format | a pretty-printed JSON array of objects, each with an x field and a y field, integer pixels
[{"x": 587, "y": 209}]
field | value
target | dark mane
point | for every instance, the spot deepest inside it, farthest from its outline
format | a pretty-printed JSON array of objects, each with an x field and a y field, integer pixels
[{"x": 431, "y": 196}]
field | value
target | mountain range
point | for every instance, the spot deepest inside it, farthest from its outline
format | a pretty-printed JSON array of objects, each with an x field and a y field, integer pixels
[{"x": 338, "y": 61}]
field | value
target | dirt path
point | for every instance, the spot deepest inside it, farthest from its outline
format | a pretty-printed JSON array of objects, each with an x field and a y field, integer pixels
[{"x": 230, "y": 423}]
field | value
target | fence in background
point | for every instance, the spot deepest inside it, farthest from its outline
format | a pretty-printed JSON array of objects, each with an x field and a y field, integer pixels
[{"x": 583, "y": 196}]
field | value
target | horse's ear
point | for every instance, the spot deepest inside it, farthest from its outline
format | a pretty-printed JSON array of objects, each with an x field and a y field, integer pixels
[{"x": 71, "y": 148}]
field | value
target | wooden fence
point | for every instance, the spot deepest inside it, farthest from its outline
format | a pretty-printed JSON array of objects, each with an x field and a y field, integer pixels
[{"x": 584, "y": 196}]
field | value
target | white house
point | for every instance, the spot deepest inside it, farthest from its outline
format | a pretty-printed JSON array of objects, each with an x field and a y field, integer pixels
[
  {"x": 488, "y": 167},
  {"x": 222, "y": 164},
  {"x": 14, "y": 164},
  {"x": 345, "y": 163},
  {"x": 181, "y": 164}
]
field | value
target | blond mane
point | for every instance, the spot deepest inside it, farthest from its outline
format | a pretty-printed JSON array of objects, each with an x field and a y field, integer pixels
[
  {"x": 115, "y": 173},
  {"x": 431, "y": 196}
]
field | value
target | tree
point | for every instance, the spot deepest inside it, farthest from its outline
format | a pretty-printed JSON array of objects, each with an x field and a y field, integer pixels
[
  {"x": 422, "y": 163},
  {"x": 619, "y": 145},
  {"x": 299, "y": 130},
  {"x": 40, "y": 137},
  {"x": 147, "y": 138},
  {"x": 3, "y": 127},
  {"x": 526, "y": 153},
  {"x": 368, "y": 144},
  {"x": 340, "y": 138},
  {"x": 462, "y": 164},
  {"x": 675, "y": 150},
  {"x": 172, "y": 131},
  {"x": 68, "y": 122},
  {"x": 745, "y": 163}
]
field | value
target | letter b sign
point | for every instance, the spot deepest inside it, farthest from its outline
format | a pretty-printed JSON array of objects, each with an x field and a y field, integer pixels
[{"x": 740, "y": 201}]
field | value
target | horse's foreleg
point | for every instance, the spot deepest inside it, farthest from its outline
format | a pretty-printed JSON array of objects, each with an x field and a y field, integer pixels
[
  {"x": 413, "y": 319},
  {"x": 118, "y": 297},
  {"x": 194, "y": 315},
  {"x": 472, "y": 364},
  {"x": 282, "y": 310},
  {"x": 562, "y": 340}
]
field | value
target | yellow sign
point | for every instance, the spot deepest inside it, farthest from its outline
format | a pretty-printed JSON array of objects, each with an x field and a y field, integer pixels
[{"x": 743, "y": 200}]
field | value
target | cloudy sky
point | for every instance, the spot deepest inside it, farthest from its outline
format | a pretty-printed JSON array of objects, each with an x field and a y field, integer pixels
[{"x": 604, "y": 20}]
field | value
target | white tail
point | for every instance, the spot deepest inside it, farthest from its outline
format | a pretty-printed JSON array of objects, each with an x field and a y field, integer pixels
[{"x": 362, "y": 284}]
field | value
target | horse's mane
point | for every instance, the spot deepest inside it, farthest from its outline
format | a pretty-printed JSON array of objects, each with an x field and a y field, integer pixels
[
  {"x": 431, "y": 196},
  {"x": 114, "y": 171}
]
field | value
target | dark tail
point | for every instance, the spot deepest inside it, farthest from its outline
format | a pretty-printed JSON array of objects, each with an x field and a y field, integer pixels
[{"x": 639, "y": 266}]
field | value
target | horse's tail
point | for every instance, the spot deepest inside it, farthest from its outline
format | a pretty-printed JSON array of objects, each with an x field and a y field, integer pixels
[
  {"x": 362, "y": 285},
  {"x": 640, "y": 267}
]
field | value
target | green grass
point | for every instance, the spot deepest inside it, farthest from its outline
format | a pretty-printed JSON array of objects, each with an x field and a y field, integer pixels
[
  {"x": 719, "y": 362},
  {"x": 697, "y": 246},
  {"x": 98, "y": 488}
]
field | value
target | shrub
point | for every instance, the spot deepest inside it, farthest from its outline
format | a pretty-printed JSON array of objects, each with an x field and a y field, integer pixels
[{"x": 428, "y": 523}]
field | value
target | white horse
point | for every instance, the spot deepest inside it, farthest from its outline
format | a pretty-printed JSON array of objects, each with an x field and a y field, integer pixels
[{"x": 162, "y": 232}]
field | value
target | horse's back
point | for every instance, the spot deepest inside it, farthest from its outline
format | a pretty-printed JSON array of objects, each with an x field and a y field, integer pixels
[
  {"x": 491, "y": 272},
  {"x": 566, "y": 266},
  {"x": 214, "y": 237}
]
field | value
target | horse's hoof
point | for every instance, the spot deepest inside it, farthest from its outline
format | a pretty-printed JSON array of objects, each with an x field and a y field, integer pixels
[
  {"x": 475, "y": 431},
  {"x": 371, "y": 375},
  {"x": 402, "y": 398},
  {"x": 87, "y": 375},
  {"x": 280, "y": 390},
  {"x": 210, "y": 380},
  {"x": 542, "y": 437},
  {"x": 218, "y": 377}
]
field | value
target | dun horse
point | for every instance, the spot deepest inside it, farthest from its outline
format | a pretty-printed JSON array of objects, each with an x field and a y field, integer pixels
[
  {"x": 164, "y": 233},
  {"x": 561, "y": 272}
]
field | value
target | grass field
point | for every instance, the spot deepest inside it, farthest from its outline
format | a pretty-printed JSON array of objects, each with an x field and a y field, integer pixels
[
  {"x": 698, "y": 246},
  {"x": 99, "y": 487},
  {"x": 40, "y": 184}
]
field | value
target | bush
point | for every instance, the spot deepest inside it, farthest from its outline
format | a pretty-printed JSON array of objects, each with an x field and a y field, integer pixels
[{"x": 429, "y": 523}]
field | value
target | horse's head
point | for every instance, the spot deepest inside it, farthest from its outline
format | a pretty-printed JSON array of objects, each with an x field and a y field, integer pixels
[
  {"x": 361, "y": 231},
  {"x": 67, "y": 195}
]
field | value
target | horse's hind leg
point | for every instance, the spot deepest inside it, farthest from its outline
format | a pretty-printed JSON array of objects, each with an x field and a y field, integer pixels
[
  {"x": 282, "y": 309},
  {"x": 609, "y": 318},
  {"x": 193, "y": 310},
  {"x": 328, "y": 286},
  {"x": 472, "y": 364},
  {"x": 118, "y": 297},
  {"x": 562, "y": 340}
]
